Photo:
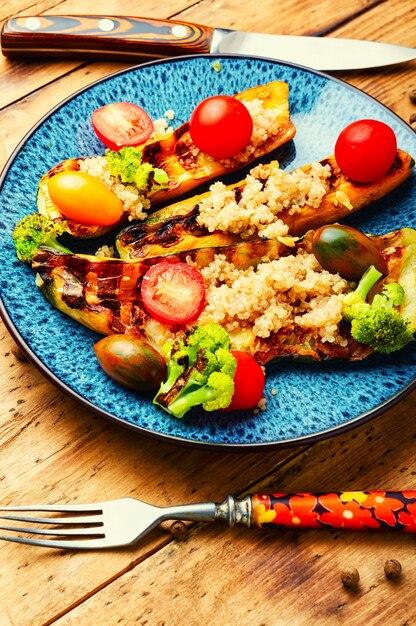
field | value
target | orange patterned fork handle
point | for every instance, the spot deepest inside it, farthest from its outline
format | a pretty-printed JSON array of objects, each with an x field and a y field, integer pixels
[{"x": 349, "y": 510}]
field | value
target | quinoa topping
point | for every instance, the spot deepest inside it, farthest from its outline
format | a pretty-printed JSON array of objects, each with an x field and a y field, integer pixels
[
  {"x": 105, "y": 252},
  {"x": 290, "y": 292},
  {"x": 267, "y": 192},
  {"x": 161, "y": 125},
  {"x": 134, "y": 203}
]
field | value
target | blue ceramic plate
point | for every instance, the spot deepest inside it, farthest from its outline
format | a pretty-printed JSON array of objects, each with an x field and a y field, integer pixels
[{"x": 312, "y": 400}]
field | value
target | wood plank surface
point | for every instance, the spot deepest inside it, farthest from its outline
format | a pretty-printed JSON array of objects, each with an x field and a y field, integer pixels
[
  {"x": 52, "y": 450},
  {"x": 18, "y": 73},
  {"x": 278, "y": 578}
]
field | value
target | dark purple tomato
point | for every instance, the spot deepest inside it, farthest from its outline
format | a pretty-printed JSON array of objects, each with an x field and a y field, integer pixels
[
  {"x": 346, "y": 251},
  {"x": 131, "y": 362}
]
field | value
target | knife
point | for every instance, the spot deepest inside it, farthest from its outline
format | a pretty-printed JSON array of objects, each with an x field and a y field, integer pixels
[{"x": 135, "y": 38}]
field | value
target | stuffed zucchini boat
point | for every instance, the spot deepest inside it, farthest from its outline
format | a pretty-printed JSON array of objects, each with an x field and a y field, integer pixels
[
  {"x": 169, "y": 165},
  {"x": 272, "y": 299},
  {"x": 282, "y": 203}
]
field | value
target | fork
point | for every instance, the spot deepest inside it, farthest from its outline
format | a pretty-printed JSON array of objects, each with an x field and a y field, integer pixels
[{"x": 124, "y": 521}]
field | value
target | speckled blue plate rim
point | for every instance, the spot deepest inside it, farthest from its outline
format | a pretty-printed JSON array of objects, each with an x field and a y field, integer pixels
[
  {"x": 171, "y": 438},
  {"x": 237, "y": 447}
]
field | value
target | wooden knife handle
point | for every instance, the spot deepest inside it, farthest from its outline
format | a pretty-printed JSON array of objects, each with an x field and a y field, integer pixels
[
  {"x": 89, "y": 37},
  {"x": 352, "y": 510}
]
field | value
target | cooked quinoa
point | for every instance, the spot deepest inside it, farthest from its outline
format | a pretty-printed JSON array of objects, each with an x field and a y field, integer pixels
[
  {"x": 105, "y": 252},
  {"x": 134, "y": 203},
  {"x": 161, "y": 125},
  {"x": 289, "y": 292},
  {"x": 267, "y": 192}
]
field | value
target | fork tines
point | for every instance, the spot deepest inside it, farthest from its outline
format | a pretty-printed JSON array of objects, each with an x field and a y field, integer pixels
[{"x": 87, "y": 527}]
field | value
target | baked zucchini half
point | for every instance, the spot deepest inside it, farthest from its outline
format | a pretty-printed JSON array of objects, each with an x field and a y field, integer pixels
[
  {"x": 185, "y": 165},
  {"x": 175, "y": 228},
  {"x": 104, "y": 294}
]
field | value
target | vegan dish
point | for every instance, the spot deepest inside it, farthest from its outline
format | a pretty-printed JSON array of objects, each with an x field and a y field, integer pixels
[
  {"x": 132, "y": 179},
  {"x": 203, "y": 293}
]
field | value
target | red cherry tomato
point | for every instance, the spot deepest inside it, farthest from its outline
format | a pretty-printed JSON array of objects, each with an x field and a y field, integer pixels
[
  {"x": 173, "y": 293},
  {"x": 121, "y": 124},
  {"x": 365, "y": 150},
  {"x": 249, "y": 382},
  {"x": 221, "y": 126},
  {"x": 84, "y": 198}
]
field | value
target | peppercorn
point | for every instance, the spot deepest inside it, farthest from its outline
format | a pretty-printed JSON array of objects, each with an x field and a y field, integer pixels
[
  {"x": 178, "y": 530},
  {"x": 392, "y": 568},
  {"x": 350, "y": 577},
  {"x": 412, "y": 96}
]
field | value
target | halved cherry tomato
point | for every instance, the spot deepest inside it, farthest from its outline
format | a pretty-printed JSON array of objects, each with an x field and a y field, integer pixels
[
  {"x": 173, "y": 293},
  {"x": 346, "y": 251},
  {"x": 365, "y": 150},
  {"x": 121, "y": 124},
  {"x": 130, "y": 361},
  {"x": 84, "y": 199},
  {"x": 249, "y": 382},
  {"x": 221, "y": 126}
]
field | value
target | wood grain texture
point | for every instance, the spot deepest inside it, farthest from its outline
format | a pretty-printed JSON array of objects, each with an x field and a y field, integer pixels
[
  {"x": 275, "y": 17},
  {"x": 86, "y": 459},
  {"x": 288, "y": 577},
  {"x": 52, "y": 450},
  {"x": 17, "y": 75}
]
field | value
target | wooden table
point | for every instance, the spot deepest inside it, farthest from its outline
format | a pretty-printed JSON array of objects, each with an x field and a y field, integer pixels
[{"x": 53, "y": 450}]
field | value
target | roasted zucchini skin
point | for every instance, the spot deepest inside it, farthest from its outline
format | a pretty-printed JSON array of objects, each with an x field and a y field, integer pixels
[
  {"x": 360, "y": 195},
  {"x": 188, "y": 168},
  {"x": 104, "y": 294},
  {"x": 175, "y": 229},
  {"x": 177, "y": 155}
]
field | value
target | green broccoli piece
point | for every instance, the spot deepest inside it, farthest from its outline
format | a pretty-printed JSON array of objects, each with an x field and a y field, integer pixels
[
  {"x": 200, "y": 371},
  {"x": 127, "y": 165},
  {"x": 35, "y": 231},
  {"x": 378, "y": 324}
]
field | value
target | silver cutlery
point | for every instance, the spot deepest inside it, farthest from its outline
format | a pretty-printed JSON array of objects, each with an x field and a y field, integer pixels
[
  {"x": 138, "y": 38},
  {"x": 124, "y": 521}
]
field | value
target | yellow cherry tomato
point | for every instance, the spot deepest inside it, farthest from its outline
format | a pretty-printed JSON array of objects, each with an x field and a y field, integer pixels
[{"x": 84, "y": 199}]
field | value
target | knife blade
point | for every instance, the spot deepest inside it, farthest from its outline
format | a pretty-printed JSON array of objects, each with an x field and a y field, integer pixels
[{"x": 135, "y": 38}]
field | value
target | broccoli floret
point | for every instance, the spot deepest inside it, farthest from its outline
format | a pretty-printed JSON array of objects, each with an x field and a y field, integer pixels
[
  {"x": 356, "y": 300},
  {"x": 200, "y": 371},
  {"x": 127, "y": 164},
  {"x": 394, "y": 293},
  {"x": 36, "y": 230},
  {"x": 378, "y": 324}
]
